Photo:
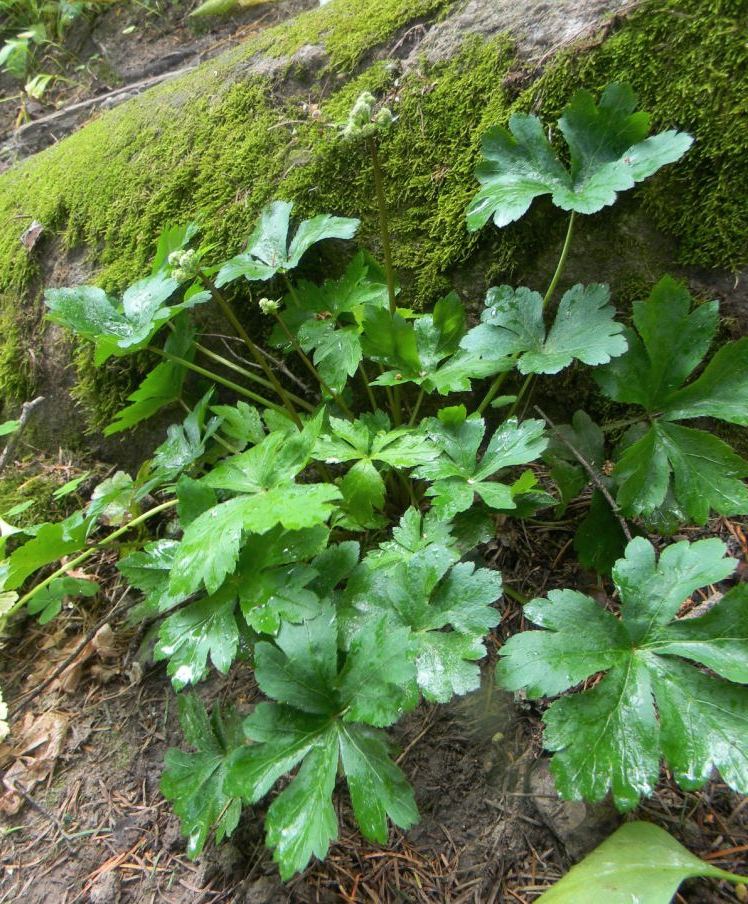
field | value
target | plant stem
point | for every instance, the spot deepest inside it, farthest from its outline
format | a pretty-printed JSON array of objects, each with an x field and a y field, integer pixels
[
  {"x": 311, "y": 368},
  {"x": 499, "y": 380},
  {"x": 254, "y": 351},
  {"x": 210, "y": 375},
  {"x": 492, "y": 390},
  {"x": 87, "y": 553},
  {"x": 365, "y": 378},
  {"x": 417, "y": 408},
  {"x": 393, "y": 396},
  {"x": 515, "y": 595},
  {"x": 561, "y": 261},
  {"x": 383, "y": 224},
  {"x": 232, "y": 365}
]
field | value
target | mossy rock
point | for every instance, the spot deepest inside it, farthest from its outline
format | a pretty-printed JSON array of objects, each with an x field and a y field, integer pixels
[{"x": 258, "y": 123}]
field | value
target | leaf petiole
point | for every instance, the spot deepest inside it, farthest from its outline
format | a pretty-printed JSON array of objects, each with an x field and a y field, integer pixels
[{"x": 87, "y": 553}]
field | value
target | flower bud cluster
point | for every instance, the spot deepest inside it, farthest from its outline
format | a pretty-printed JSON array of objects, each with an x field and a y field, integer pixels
[
  {"x": 184, "y": 265},
  {"x": 363, "y": 122},
  {"x": 268, "y": 305}
]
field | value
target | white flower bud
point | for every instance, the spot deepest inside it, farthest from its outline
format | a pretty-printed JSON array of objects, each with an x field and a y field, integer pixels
[{"x": 268, "y": 305}]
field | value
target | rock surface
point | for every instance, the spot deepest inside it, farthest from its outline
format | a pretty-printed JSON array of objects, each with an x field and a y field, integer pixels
[{"x": 255, "y": 123}]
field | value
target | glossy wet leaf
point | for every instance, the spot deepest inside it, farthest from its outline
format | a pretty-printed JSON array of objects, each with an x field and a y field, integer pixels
[
  {"x": 148, "y": 570},
  {"x": 49, "y": 543},
  {"x": 113, "y": 500},
  {"x": 119, "y": 327},
  {"x": 700, "y": 471},
  {"x": 426, "y": 594},
  {"x": 609, "y": 148},
  {"x": 327, "y": 320},
  {"x": 648, "y": 705},
  {"x": 512, "y": 323},
  {"x": 458, "y": 475},
  {"x": 639, "y": 862},
  {"x": 162, "y": 385},
  {"x": 210, "y": 546},
  {"x": 426, "y": 352},
  {"x": 317, "y": 723},
  {"x": 202, "y": 630},
  {"x": 269, "y": 250},
  {"x": 274, "y": 576},
  {"x": 193, "y": 781}
]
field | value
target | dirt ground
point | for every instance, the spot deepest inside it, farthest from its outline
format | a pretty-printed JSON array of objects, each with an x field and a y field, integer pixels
[
  {"x": 96, "y": 829},
  {"x": 126, "y": 43}
]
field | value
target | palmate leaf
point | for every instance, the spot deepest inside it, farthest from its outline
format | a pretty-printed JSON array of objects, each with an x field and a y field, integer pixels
[
  {"x": 512, "y": 324},
  {"x": 264, "y": 475},
  {"x": 272, "y": 581},
  {"x": 639, "y": 862},
  {"x": 609, "y": 148},
  {"x": 426, "y": 352},
  {"x": 701, "y": 471},
  {"x": 317, "y": 722},
  {"x": 49, "y": 543},
  {"x": 163, "y": 385},
  {"x": 209, "y": 549},
  {"x": 148, "y": 570},
  {"x": 193, "y": 782},
  {"x": 268, "y": 248},
  {"x": 425, "y": 594},
  {"x": 204, "y": 629},
  {"x": 457, "y": 475},
  {"x": 649, "y": 705},
  {"x": 120, "y": 328},
  {"x": 47, "y": 604},
  {"x": 371, "y": 445},
  {"x": 327, "y": 319}
]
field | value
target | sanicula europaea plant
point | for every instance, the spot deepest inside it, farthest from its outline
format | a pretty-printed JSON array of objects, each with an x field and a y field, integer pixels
[{"x": 325, "y": 512}]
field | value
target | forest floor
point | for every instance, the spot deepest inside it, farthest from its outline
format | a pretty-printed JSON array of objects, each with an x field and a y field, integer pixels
[
  {"x": 88, "y": 752},
  {"x": 107, "y": 57}
]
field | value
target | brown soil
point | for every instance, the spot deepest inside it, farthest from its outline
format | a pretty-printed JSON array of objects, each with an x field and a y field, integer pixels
[
  {"x": 127, "y": 42},
  {"x": 98, "y": 830}
]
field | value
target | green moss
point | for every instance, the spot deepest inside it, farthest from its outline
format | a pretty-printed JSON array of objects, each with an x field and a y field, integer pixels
[
  {"x": 684, "y": 59},
  {"x": 349, "y": 30},
  {"x": 215, "y": 147},
  {"x": 35, "y": 481}
]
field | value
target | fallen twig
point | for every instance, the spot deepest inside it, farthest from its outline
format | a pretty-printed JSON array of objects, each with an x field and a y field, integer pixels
[
  {"x": 27, "y": 410},
  {"x": 594, "y": 476}
]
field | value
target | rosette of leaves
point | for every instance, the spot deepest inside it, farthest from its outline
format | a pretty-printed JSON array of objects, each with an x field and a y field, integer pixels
[
  {"x": 512, "y": 328},
  {"x": 650, "y": 703},
  {"x": 327, "y": 714},
  {"x": 457, "y": 475},
  {"x": 373, "y": 446},
  {"x": 663, "y": 463},
  {"x": 609, "y": 152},
  {"x": 426, "y": 352},
  {"x": 269, "y": 250},
  {"x": 327, "y": 320}
]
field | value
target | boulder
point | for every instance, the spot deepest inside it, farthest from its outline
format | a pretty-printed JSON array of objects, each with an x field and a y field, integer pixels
[{"x": 259, "y": 122}]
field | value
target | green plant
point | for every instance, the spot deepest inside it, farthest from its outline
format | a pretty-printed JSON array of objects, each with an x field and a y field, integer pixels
[
  {"x": 639, "y": 862},
  {"x": 649, "y": 704},
  {"x": 321, "y": 531}
]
